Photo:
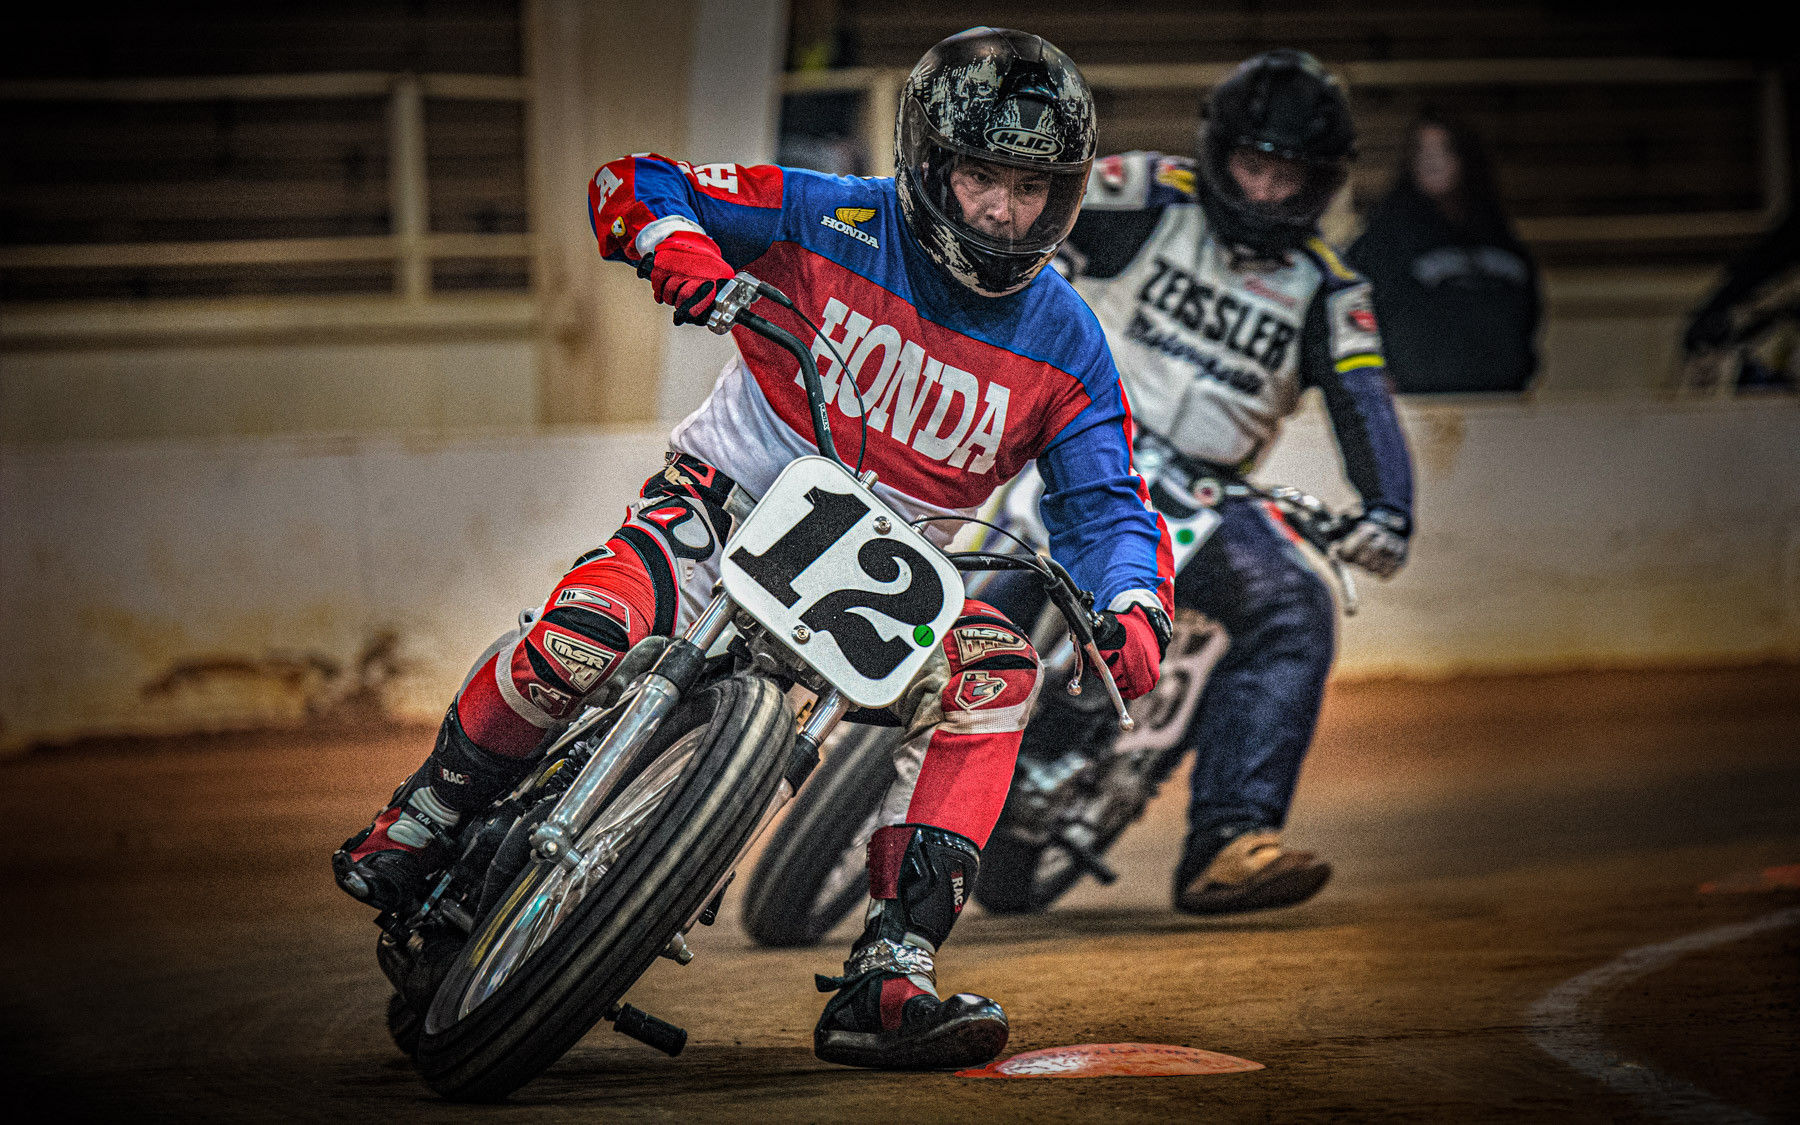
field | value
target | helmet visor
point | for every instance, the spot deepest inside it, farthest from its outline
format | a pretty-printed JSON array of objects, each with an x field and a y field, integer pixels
[
  {"x": 1282, "y": 189},
  {"x": 993, "y": 198}
]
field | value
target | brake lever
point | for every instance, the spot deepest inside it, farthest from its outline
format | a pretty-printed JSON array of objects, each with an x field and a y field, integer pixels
[
  {"x": 1080, "y": 619},
  {"x": 1341, "y": 571}
]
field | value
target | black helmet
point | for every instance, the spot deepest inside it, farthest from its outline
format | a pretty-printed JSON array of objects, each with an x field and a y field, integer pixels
[
  {"x": 1283, "y": 103},
  {"x": 1004, "y": 98}
]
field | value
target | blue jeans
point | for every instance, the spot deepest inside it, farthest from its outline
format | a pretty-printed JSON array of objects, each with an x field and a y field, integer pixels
[
  {"x": 1260, "y": 706},
  {"x": 1256, "y": 715}
]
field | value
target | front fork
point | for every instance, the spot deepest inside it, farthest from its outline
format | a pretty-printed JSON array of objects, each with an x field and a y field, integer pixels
[{"x": 651, "y": 699}]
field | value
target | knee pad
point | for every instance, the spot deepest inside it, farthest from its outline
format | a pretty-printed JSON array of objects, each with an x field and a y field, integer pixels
[
  {"x": 993, "y": 675},
  {"x": 574, "y": 646}
]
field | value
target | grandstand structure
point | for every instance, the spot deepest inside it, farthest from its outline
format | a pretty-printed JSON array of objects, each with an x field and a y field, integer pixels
[{"x": 379, "y": 168}]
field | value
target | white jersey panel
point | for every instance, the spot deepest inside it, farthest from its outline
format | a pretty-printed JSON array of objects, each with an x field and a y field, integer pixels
[
  {"x": 1208, "y": 348},
  {"x": 737, "y": 431}
]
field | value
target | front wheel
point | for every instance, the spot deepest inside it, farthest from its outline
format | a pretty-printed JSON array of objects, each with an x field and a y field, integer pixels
[
  {"x": 814, "y": 869},
  {"x": 553, "y": 956}
]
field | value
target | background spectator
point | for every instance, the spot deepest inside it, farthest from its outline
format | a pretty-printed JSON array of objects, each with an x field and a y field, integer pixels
[{"x": 1456, "y": 292}]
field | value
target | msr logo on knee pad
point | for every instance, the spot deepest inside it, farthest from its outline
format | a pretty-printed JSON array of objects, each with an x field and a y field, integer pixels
[
  {"x": 583, "y": 665},
  {"x": 976, "y": 641}
]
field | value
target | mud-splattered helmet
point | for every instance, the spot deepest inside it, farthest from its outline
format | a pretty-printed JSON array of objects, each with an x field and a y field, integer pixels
[{"x": 1003, "y": 98}]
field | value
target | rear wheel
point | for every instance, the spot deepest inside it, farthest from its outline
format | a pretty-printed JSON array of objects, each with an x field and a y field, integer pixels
[
  {"x": 814, "y": 869},
  {"x": 552, "y": 957},
  {"x": 1020, "y": 876}
]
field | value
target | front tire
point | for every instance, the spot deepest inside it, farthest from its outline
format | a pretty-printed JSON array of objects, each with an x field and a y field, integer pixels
[
  {"x": 494, "y": 1026},
  {"x": 814, "y": 869}
]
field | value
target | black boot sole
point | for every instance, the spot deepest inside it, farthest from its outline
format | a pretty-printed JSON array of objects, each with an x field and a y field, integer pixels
[
  {"x": 368, "y": 887},
  {"x": 972, "y": 1035}
]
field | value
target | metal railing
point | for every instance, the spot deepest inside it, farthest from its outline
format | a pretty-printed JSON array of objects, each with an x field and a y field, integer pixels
[
  {"x": 879, "y": 89},
  {"x": 410, "y": 243}
]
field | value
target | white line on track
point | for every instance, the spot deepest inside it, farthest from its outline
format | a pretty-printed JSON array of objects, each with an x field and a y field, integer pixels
[{"x": 1560, "y": 1026}]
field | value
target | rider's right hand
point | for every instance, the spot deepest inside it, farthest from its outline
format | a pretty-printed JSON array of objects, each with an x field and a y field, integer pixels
[
  {"x": 1133, "y": 649},
  {"x": 688, "y": 273}
]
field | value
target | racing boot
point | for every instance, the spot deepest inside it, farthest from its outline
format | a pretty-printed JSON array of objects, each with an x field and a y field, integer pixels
[
  {"x": 886, "y": 1014},
  {"x": 390, "y": 864},
  {"x": 1237, "y": 868}
]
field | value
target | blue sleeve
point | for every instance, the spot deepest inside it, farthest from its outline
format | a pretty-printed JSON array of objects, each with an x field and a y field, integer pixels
[
  {"x": 1095, "y": 507},
  {"x": 1369, "y": 437},
  {"x": 1343, "y": 357}
]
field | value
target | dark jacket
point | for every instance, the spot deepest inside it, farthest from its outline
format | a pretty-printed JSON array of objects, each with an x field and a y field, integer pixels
[{"x": 1458, "y": 305}]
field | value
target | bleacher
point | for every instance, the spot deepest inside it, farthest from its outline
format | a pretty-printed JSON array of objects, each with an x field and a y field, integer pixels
[
  {"x": 159, "y": 151},
  {"x": 245, "y": 150},
  {"x": 1666, "y": 117}
]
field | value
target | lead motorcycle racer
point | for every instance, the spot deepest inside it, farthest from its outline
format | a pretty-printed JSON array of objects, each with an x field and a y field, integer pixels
[{"x": 953, "y": 360}]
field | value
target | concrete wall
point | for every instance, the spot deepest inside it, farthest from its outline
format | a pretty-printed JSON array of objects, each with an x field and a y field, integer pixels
[
  {"x": 177, "y": 586},
  {"x": 181, "y": 585},
  {"x": 185, "y": 389},
  {"x": 1579, "y": 534}
]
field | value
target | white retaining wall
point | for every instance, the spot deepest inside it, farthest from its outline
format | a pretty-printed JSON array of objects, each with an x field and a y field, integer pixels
[{"x": 195, "y": 585}]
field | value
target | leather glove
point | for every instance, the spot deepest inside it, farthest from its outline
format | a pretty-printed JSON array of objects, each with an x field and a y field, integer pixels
[
  {"x": 1133, "y": 648},
  {"x": 1377, "y": 542},
  {"x": 688, "y": 272}
]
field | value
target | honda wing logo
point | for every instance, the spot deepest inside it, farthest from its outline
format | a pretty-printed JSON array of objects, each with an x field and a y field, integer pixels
[{"x": 845, "y": 220}]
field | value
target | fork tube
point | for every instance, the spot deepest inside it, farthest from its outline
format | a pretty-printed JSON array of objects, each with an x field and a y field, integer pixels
[
  {"x": 804, "y": 757},
  {"x": 653, "y": 697}
]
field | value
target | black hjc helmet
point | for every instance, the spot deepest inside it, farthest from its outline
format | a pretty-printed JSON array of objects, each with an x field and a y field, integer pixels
[
  {"x": 1283, "y": 103},
  {"x": 1001, "y": 97}
]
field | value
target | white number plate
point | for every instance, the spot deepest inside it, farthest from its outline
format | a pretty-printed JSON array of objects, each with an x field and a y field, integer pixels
[{"x": 809, "y": 562}]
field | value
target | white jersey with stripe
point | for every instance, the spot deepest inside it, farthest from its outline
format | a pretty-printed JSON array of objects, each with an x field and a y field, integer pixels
[{"x": 1216, "y": 349}]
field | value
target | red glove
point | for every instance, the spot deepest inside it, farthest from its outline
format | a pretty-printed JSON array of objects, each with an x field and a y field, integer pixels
[
  {"x": 688, "y": 271},
  {"x": 1133, "y": 652}
]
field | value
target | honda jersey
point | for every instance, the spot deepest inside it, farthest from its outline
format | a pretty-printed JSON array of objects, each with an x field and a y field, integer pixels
[
  {"x": 1216, "y": 349},
  {"x": 946, "y": 395}
]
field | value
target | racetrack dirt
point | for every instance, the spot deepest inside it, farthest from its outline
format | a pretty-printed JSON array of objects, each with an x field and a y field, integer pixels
[{"x": 175, "y": 949}]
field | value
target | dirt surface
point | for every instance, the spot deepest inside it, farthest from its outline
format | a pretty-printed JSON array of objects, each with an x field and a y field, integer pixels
[{"x": 175, "y": 949}]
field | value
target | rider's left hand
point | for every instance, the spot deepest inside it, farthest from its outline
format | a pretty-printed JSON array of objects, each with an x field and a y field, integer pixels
[
  {"x": 1132, "y": 649},
  {"x": 1377, "y": 542}
]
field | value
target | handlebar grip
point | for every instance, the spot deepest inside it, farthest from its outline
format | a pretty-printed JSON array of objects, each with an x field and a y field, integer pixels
[
  {"x": 645, "y": 264},
  {"x": 1109, "y": 634}
]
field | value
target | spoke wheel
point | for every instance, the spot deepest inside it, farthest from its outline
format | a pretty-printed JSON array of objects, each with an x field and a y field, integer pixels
[{"x": 561, "y": 947}]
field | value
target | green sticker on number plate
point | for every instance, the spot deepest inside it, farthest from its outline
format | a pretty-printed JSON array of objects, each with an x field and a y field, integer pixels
[{"x": 922, "y": 635}]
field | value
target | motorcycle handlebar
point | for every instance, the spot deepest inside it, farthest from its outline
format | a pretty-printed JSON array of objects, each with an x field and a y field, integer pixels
[{"x": 731, "y": 307}]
